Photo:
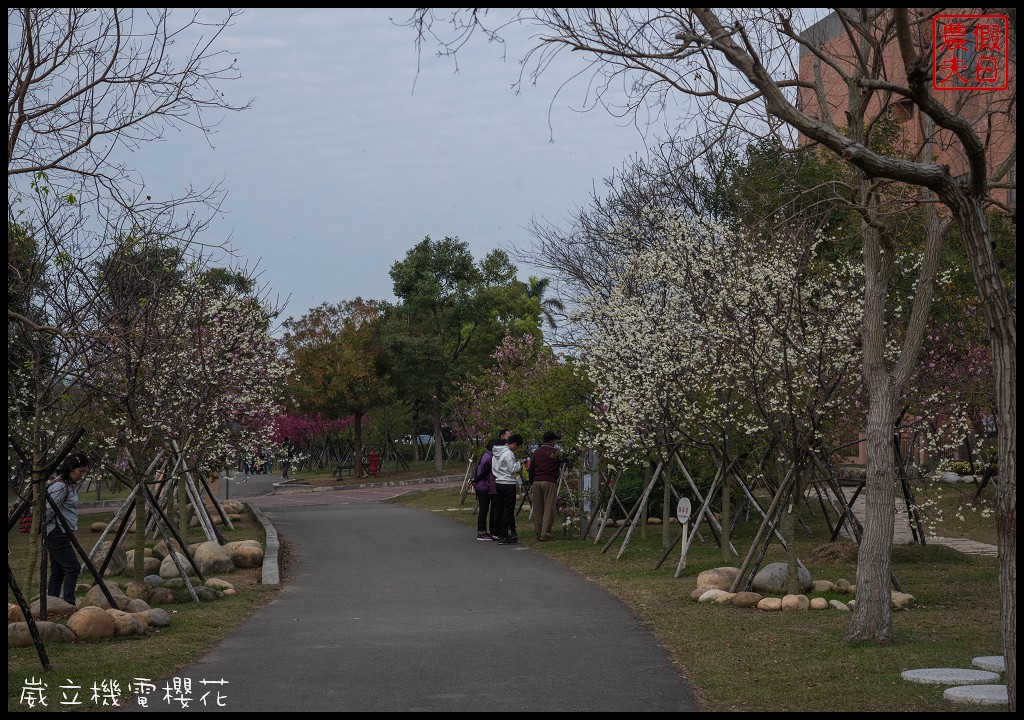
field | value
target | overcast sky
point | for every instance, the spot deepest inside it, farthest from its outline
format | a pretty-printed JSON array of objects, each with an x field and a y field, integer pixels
[{"x": 347, "y": 159}]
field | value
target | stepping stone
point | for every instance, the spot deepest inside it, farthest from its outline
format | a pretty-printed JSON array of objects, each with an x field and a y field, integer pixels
[
  {"x": 977, "y": 695},
  {"x": 950, "y": 676},
  {"x": 995, "y": 663}
]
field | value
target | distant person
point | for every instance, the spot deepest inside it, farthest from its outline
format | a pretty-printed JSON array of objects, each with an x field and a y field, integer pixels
[
  {"x": 506, "y": 471},
  {"x": 486, "y": 495},
  {"x": 63, "y": 561},
  {"x": 545, "y": 467},
  {"x": 286, "y": 462}
]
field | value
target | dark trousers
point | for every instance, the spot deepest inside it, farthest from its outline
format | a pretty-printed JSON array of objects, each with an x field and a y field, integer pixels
[
  {"x": 507, "y": 512},
  {"x": 495, "y": 514},
  {"x": 63, "y": 567},
  {"x": 487, "y": 505}
]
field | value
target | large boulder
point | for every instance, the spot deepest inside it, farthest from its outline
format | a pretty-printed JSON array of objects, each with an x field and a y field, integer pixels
[
  {"x": 18, "y": 634},
  {"x": 91, "y": 623},
  {"x": 747, "y": 599},
  {"x": 718, "y": 578},
  {"x": 56, "y": 609},
  {"x": 14, "y": 613},
  {"x": 901, "y": 600},
  {"x": 127, "y": 624},
  {"x": 95, "y": 597},
  {"x": 774, "y": 579},
  {"x": 795, "y": 602},
  {"x": 247, "y": 556},
  {"x": 711, "y": 596},
  {"x": 232, "y": 506},
  {"x": 163, "y": 596},
  {"x": 207, "y": 594},
  {"x": 139, "y": 589},
  {"x": 823, "y": 586},
  {"x": 136, "y": 605},
  {"x": 211, "y": 558},
  {"x": 169, "y": 570},
  {"x": 160, "y": 549},
  {"x": 157, "y": 617},
  {"x": 118, "y": 559}
]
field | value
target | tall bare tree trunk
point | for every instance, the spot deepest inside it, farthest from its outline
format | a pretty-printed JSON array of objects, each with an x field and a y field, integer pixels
[
  {"x": 872, "y": 614},
  {"x": 998, "y": 306}
]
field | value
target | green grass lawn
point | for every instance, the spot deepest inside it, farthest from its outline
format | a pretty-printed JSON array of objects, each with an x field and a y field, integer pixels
[
  {"x": 195, "y": 628},
  {"x": 746, "y": 660}
]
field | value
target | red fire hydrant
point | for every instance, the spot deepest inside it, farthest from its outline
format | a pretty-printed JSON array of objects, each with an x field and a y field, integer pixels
[{"x": 374, "y": 462}]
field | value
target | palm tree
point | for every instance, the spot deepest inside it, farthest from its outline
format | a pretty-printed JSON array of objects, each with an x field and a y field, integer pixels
[{"x": 535, "y": 288}]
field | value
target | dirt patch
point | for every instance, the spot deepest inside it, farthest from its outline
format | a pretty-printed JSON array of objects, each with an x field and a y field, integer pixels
[{"x": 836, "y": 553}]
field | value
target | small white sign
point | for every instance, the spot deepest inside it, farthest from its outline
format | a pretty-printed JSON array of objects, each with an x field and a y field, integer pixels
[{"x": 683, "y": 510}]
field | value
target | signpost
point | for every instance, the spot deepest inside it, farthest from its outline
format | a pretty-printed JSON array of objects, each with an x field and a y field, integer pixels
[{"x": 683, "y": 514}]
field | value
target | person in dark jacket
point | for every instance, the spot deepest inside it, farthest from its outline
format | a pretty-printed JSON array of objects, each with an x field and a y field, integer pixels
[
  {"x": 486, "y": 495},
  {"x": 545, "y": 466}
]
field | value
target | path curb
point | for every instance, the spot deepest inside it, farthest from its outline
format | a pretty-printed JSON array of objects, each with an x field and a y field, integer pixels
[{"x": 271, "y": 574}]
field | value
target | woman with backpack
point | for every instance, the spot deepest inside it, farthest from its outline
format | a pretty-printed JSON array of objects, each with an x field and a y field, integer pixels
[{"x": 63, "y": 561}]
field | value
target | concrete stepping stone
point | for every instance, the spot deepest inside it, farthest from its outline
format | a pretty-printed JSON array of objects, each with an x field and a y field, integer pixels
[
  {"x": 977, "y": 695},
  {"x": 994, "y": 663},
  {"x": 950, "y": 676}
]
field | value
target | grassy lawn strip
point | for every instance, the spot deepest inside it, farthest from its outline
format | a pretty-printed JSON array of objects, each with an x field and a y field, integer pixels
[
  {"x": 194, "y": 629},
  {"x": 746, "y": 660}
]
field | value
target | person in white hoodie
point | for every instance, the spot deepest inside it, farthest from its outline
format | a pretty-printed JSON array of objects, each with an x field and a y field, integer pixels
[{"x": 507, "y": 479}]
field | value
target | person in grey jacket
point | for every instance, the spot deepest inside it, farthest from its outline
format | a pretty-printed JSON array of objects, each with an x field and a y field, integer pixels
[
  {"x": 507, "y": 479},
  {"x": 63, "y": 562}
]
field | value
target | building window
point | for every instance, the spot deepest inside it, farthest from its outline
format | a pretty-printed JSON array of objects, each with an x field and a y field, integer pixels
[{"x": 902, "y": 110}]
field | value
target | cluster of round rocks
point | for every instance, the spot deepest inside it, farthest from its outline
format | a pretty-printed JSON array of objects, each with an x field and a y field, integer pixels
[
  {"x": 953, "y": 478},
  {"x": 211, "y": 558},
  {"x": 92, "y": 617},
  {"x": 773, "y": 579}
]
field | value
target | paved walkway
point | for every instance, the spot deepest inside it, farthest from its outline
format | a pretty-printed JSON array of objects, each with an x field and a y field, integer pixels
[{"x": 387, "y": 608}]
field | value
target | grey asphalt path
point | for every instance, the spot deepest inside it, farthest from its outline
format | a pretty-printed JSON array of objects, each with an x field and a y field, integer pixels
[{"x": 385, "y": 608}]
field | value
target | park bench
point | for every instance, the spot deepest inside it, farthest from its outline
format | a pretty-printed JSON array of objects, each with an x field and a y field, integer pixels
[{"x": 340, "y": 470}]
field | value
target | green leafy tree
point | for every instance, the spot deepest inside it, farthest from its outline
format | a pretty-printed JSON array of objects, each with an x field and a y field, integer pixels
[
  {"x": 528, "y": 389},
  {"x": 452, "y": 313},
  {"x": 340, "y": 362}
]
